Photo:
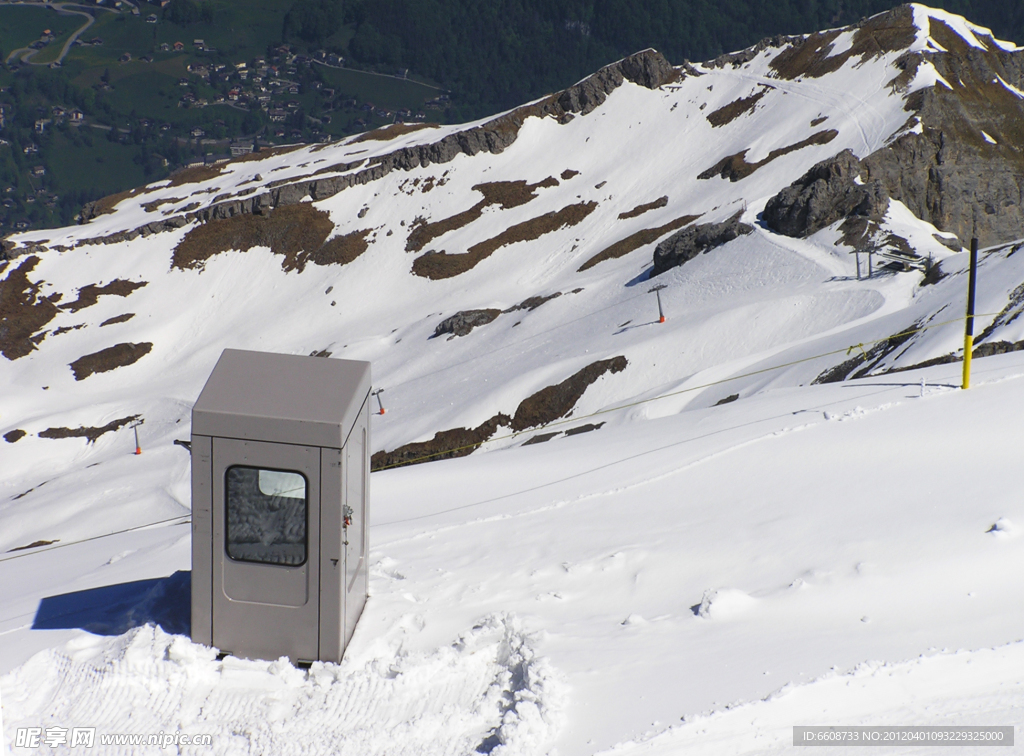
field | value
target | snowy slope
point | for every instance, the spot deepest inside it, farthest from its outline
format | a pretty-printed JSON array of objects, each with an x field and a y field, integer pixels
[{"x": 775, "y": 560}]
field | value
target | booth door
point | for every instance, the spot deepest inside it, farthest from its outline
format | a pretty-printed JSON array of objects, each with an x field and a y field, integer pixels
[{"x": 266, "y": 579}]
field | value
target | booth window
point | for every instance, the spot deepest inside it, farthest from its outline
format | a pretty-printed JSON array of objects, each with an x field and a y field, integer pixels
[{"x": 267, "y": 511}]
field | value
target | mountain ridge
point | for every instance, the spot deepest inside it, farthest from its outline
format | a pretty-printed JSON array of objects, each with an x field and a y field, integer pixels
[{"x": 346, "y": 216}]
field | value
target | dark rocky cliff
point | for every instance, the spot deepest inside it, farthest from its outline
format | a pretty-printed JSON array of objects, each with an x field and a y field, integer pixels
[{"x": 959, "y": 163}]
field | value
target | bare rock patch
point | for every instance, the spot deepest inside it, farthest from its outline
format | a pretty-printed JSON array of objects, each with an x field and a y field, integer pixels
[
  {"x": 545, "y": 406},
  {"x": 440, "y": 265},
  {"x": 505, "y": 194},
  {"x": 111, "y": 358},
  {"x": 118, "y": 319},
  {"x": 90, "y": 433},
  {"x": 732, "y": 111},
  {"x": 736, "y": 167},
  {"x": 24, "y": 311},
  {"x": 298, "y": 233},
  {"x": 645, "y": 207},
  {"x": 90, "y": 295}
]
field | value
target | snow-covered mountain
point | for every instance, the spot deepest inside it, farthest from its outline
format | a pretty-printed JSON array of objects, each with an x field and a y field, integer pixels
[{"x": 800, "y": 208}]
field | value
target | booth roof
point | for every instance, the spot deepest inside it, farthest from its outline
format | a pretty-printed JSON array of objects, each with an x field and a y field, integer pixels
[{"x": 283, "y": 398}]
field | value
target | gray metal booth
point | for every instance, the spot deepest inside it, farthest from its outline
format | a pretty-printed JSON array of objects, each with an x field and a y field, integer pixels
[{"x": 280, "y": 493}]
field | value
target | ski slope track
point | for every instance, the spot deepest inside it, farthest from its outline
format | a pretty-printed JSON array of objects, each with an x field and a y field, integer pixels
[{"x": 776, "y": 508}]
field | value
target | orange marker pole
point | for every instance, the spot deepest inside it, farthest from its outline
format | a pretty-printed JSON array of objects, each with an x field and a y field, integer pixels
[
  {"x": 377, "y": 394},
  {"x": 138, "y": 449},
  {"x": 661, "y": 313}
]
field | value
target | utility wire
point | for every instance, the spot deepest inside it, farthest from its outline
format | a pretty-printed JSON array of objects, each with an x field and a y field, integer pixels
[
  {"x": 558, "y": 423},
  {"x": 31, "y": 552}
]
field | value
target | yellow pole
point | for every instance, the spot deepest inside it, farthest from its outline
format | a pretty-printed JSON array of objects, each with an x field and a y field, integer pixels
[
  {"x": 968, "y": 348},
  {"x": 969, "y": 327}
]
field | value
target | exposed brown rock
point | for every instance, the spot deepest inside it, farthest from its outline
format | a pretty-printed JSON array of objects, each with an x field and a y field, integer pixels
[
  {"x": 341, "y": 250},
  {"x": 14, "y": 435},
  {"x": 104, "y": 205},
  {"x": 109, "y": 359},
  {"x": 887, "y": 32},
  {"x": 384, "y": 133},
  {"x": 195, "y": 175},
  {"x": 296, "y": 232},
  {"x": 540, "y": 438},
  {"x": 89, "y": 295},
  {"x": 505, "y": 194},
  {"x": 532, "y": 303},
  {"x": 545, "y": 406},
  {"x": 586, "y": 428},
  {"x": 23, "y": 310},
  {"x": 439, "y": 265},
  {"x": 736, "y": 167},
  {"x": 65, "y": 329},
  {"x": 33, "y": 545},
  {"x": 732, "y": 111},
  {"x": 151, "y": 207},
  {"x": 118, "y": 319},
  {"x": 554, "y": 402},
  {"x": 90, "y": 434},
  {"x": 635, "y": 241},
  {"x": 263, "y": 154},
  {"x": 645, "y": 207},
  {"x": 457, "y": 442}
]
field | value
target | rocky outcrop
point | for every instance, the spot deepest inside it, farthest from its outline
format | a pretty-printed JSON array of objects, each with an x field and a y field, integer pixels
[
  {"x": 828, "y": 192},
  {"x": 962, "y": 166},
  {"x": 951, "y": 176},
  {"x": 958, "y": 163},
  {"x": 685, "y": 245},
  {"x": 461, "y": 323},
  {"x": 557, "y": 401}
]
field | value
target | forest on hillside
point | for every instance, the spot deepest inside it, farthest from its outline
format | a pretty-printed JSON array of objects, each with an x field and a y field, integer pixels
[{"x": 495, "y": 54}]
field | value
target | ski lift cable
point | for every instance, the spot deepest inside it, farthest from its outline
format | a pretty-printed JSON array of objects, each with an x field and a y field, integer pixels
[
  {"x": 186, "y": 517},
  {"x": 689, "y": 389}
]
